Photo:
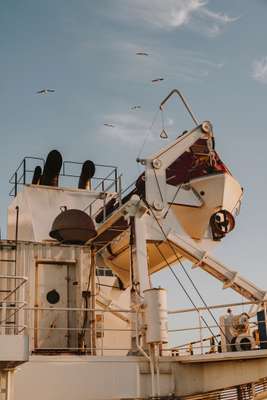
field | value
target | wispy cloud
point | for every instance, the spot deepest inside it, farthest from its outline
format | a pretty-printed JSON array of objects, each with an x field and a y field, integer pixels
[
  {"x": 131, "y": 128},
  {"x": 174, "y": 14},
  {"x": 168, "y": 61},
  {"x": 172, "y": 64},
  {"x": 259, "y": 70},
  {"x": 128, "y": 128}
]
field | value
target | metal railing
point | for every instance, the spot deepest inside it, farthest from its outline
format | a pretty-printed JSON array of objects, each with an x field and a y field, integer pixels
[
  {"x": 249, "y": 391},
  {"x": 21, "y": 175},
  {"x": 116, "y": 185},
  {"x": 106, "y": 179},
  {"x": 65, "y": 337},
  {"x": 185, "y": 338},
  {"x": 12, "y": 304},
  {"x": 205, "y": 336},
  {"x": 118, "y": 197}
]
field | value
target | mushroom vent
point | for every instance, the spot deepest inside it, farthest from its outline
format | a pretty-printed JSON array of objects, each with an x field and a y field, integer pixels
[{"x": 73, "y": 227}]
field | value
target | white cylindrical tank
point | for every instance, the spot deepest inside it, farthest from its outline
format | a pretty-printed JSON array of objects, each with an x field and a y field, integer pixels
[{"x": 156, "y": 316}]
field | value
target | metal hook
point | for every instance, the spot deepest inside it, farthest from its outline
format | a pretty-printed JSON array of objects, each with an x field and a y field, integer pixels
[
  {"x": 163, "y": 134},
  {"x": 184, "y": 102}
]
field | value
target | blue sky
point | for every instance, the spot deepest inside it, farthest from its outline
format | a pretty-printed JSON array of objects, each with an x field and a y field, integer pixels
[{"x": 215, "y": 52}]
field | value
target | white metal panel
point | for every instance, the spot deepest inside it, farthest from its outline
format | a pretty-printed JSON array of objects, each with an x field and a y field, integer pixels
[
  {"x": 156, "y": 316},
  {"x": 14, "y": 348},
  {"x": 103, "y": 378},
  {"x": 113, "y": 339},
  {"x": 52, "y": 326},
  {"x": 39, "y": 206},
  {"x": 219, "y": 191},
  {"x": 30, "y": 256},
  {"x": 156, "y": 177}
]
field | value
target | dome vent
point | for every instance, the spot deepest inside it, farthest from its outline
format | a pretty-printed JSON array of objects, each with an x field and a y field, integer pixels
[{"x": 73, "y": 227}]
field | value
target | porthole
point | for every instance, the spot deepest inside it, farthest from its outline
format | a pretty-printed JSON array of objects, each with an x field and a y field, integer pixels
[{"x": 53, "y": 297}]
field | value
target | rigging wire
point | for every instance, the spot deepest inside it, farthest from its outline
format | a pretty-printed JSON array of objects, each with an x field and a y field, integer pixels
[
  {"x": 158, "y": 185},
  {"x": 178, "y": 259},
  {"x": 171, "y": 203},
  {"x": 148, "y": 132},
  {"x": 184, "y": 269},
  {"x": 85, "y": 315},
  {"x": 162, "y": 119},
  {"x": 163, "y": 134},
  {"x": 185, "y": 291}
]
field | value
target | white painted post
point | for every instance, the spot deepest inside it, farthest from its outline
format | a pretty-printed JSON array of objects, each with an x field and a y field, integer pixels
[
  {"x": 200, "y": 332},
  {"x": 9, "y": 385},
  {"x": 141, "y": 280},
  {"x": 140, "y": 255}
]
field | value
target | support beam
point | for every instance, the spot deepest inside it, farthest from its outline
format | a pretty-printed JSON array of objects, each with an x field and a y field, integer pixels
[
  {"x": 157, "y": 163},
  {"x": 140, "y": 255},
  {"x": 215, "y": 268}
]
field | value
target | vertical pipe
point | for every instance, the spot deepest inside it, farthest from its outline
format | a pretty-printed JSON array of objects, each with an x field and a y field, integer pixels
[
  {"x": 200, "y": 332},
  {"x": 24, "y": 171},
  {"x": 104, "y": 207},
  {"x": 150, "y": 358},
  {"x": 16, "y": 184},
  {"x": 134, "y": 316},
  {"x": 120, "y": 190},
  {"x": 16, "y": 256},
  {"x": 36, "y": 311},
  {"x": 9, "y": 384},
  {"x": 157, "y": 371},
  {"x": 151, "y": 350},
  {"x": 93, "y": 302},
  {"x": 16, "y": 236},
  {"x": 4, "y": 317},
  {"x": 102, "y": 332},
  {"x": 116, "y": 179},
  {"x": 17, "y": 225},
  {"x": 68, "y": 306}
]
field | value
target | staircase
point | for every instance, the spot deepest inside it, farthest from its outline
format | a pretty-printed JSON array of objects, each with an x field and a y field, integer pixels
[{"x": 14, "y": 344}]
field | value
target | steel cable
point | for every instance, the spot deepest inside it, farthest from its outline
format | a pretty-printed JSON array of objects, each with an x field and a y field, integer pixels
[{"x": 188, "y": 276}]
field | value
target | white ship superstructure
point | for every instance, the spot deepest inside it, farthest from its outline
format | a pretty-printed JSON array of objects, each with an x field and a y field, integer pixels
[{"x": 80, "y": 318}]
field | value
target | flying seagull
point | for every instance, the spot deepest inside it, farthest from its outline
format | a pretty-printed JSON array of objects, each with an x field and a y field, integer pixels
[
  {"x": 141, "y": 53},
  {"x": 110, "y": 125},
  {"x": 135, "y": 107},
  {"x": 157, "y": 80},
  {"x": 45, "y": 91}
]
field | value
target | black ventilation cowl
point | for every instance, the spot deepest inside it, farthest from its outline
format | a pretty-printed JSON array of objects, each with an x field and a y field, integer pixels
[{"x": 73, "y": 227}]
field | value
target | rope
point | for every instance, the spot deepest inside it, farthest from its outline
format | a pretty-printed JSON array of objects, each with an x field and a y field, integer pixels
[
  {"x": 170, "y": 204},
  {"x": 185, "y": 291},
  {"x": 188, "y": 276},
  {"x": 158, "y": 185},
  {"x": 148, "y": 132}
]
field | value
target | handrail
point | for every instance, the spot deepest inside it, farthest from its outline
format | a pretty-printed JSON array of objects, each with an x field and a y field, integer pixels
[
  {"x": 196, "y": 344},
  {"x": 19, "y": 177},
  {"x": 10, "y": 307},
  {"x": 216, "y": 306}
]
